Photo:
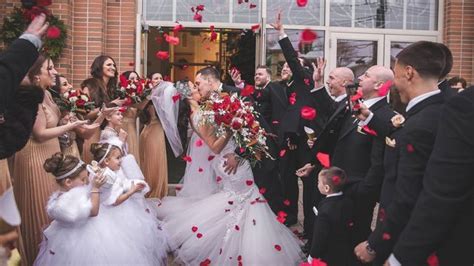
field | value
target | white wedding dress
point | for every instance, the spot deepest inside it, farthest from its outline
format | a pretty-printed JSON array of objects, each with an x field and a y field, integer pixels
[{"x": 234, "y": 225}]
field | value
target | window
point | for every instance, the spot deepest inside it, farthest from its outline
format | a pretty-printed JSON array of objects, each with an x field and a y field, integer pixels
[
  {"x": 312, "y": 14},
  {"x": 274, "y": 55}
]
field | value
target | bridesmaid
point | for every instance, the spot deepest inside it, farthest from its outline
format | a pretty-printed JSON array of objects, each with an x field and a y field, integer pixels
[
  {"x": 153, "y": 148},
  {"x": 32, "y": 185},
  {"x": 99, "y": 87},
  {"x": 67, "y": 141},
  {"x": 130, "y": 121}
]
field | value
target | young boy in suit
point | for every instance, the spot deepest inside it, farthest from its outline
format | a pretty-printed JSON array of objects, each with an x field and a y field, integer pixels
[{"x": 333, "y": 223}]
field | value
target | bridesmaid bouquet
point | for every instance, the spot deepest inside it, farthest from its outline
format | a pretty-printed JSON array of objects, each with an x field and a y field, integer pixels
[
  {"x": 133, "y": 91},
  {"x": 231, "y": 112},
  {"x": 74, "y": 101}
]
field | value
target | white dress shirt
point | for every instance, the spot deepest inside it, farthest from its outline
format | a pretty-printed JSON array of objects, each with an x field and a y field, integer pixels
[{"x": 420, "y": 98}]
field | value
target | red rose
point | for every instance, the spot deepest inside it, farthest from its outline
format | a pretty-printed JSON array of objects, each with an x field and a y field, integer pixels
[
  {"x": 247, "y": 91},
  {"x": 236, "y": 123},
  {"x": 123, "y": 81},
  {"x": 80, "y": 103},
  {"x": 53, "y": 32}
]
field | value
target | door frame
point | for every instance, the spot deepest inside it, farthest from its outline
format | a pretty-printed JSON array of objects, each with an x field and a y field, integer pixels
[{"x": 389, "y": 38}]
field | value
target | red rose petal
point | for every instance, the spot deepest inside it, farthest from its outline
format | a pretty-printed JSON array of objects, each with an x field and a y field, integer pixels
[
  {"x": 254, "y": 222},
  {"x": 351, "y": 224},
  {"x": 410, "y": 148},
  {"x": 385, "y": 88},
  {"x": 255, "y": 27},
  {"x": 194, "y": 229},
  {"x": 200, "y": 170},
  {"x": 281, "y": 219},
  {"x": 286, "y": 202},
  {"x": 200, "y": 8},
  {"x": 433, "y": 260},
  {"x": 176, "y": 97},
  {"x": 369, "y": 130},
  {"x": 307, "y": 82},
  {"x": 262, "y": 190},
  {"x": 53, "y": 32},
  {"x": 381, "y": 215},
  {"x": 308, "y": 36},
  {"x": 386, "y": 236},
  {"x": 162, "y": 55},
  {"x": 282, "y": 153},
  {"x": 292, "y": 98},
  {"x": 206, "y": 262},
  {"x": 282, "y": 214},
  {"x": 308, "y": 113},
  {"x": 187, "y": 158},
  {"x": 249, "y": 182},
  {"x": 218, "y": 179},
  {"x": 178, "y": 28},
  {"x": 278, "y": 247},
  {"x": 236, "y": 227},
  {"x": 171, "y": 39},
  {"x": 301, "y": 3},
  {"x": 230, "y": 202},
  {"x": 323, "y": 158},
  {"x": 239, "y": 258},
  {"x": 336, "y": 180},
  {"x": 210, "y": 157},
  {"x": 199, "y": 235},
  {"x": 357, "y": 96},
  {"x": 43, "y": 3},
  {"x": 252, "y": 6},
  {"x": 197, "y": 17},
  {"x": 199, "y": 143}
]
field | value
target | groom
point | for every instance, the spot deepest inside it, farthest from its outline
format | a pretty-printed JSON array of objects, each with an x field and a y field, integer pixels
[{"x": 207, "y": 81}]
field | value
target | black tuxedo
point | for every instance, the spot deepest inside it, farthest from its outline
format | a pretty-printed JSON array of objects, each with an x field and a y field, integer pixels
[
  {"x": 332, "y": 231},
  {"x": 415, "y": 144},
  {"x": 446, "y": 89},
  {"x": 443, "y": 217}
]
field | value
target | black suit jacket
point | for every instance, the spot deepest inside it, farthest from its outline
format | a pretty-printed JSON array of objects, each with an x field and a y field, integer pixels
[
  {"x": 415, "y": 144},
  {"x": 14, "y": 64},
  {"x": 443, "y": 217},
  {"x": 446, "y": 89},
  {"x": 300, "y": 84},
  {"x": 332, "y": 231}
]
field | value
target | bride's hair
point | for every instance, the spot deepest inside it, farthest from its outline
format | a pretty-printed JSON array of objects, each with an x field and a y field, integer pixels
[{"x": 184, "y": 113}]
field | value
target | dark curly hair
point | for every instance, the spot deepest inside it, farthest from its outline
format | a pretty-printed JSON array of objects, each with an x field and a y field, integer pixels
[{"x": 100, "y": 94}]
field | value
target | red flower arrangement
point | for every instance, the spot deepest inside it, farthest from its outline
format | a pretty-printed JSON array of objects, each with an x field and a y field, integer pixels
[
  {"x": 231, "y": 112},
  {"x": 134, "y": 92},
  {"x": 74, "y": 101}
]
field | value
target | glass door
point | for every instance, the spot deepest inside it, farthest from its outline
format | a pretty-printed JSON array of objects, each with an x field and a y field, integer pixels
[
  {"x": 395, "y": 43},
  {"x": 355, "y": 51}
]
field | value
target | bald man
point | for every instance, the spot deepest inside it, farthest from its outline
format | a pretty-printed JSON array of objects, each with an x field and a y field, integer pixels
[{"x": 351, "y": 148}]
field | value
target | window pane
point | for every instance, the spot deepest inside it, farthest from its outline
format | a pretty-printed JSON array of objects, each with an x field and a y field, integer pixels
[
  {"x": 388, "y": 14},
  {"x": 158, "y": 10},
  {"x": 395, "y": 48},
  {"x": 357, "y": 55},
  {"x": 243, "y": 14},
  {"x": 214, "y": 10},
  {"x": 422, "y": 15},
  {"x": 275, "y": 58},
  {"x": 312, "y": 14}
]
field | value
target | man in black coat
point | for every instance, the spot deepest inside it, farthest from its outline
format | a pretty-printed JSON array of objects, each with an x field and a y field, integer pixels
[
  {"x": 18, "y": 107},
  {"x": 443, "y": 84},
  {"x": 417, "y": 71},
  {"x": 443, "y": 217},
  {"x": 357, "y": 150}
]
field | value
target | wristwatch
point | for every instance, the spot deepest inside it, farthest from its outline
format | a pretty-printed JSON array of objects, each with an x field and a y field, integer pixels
[{"x": 370, "y": 251}]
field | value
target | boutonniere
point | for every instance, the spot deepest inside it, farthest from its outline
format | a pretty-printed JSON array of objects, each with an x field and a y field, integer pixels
[
  {"x": 398, "y": 120},
  {"x": 390, "y": 142}
]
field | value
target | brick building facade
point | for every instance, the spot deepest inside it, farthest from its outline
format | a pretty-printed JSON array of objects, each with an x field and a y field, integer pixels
[{"x": 109, "y": 27}]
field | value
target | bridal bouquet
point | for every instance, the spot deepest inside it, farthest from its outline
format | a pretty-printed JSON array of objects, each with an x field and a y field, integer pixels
[
  {"x": 231, "y": 112},
  {"x": 133, "y": 91},
  {"x": 74, "y": 101}
]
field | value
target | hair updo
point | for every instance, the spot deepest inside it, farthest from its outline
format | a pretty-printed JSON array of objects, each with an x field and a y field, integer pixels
[
  {"x": 60, "y": 164},
  {"x": 99, "y": 150}
]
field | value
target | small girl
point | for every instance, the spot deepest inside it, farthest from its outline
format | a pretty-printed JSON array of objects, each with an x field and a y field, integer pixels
[
  {"x": 67, "y": 239},
  {"x": 123, "y": 203}
]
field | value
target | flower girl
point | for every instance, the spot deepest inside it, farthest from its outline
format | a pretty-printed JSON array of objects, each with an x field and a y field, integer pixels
[
  {"x": 123, "y": 203},
  {"x": 71, "y": 237}
]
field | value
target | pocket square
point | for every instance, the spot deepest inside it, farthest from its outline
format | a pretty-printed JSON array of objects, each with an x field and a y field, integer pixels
[
  {"x": 390, "y": 142},
  {"x": 315, "y": 211}
]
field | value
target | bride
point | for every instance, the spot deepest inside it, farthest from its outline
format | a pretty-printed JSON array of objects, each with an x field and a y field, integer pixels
[{"x": 235, "y": 225}]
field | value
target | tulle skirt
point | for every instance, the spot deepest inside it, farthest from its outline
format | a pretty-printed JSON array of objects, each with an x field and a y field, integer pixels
[
  {"x": 228, "y": 229},
  {"x": 127, "y": 234}
]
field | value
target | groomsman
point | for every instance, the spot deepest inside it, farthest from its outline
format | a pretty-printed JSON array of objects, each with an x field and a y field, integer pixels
[
  {"x": 297, "y": 77},
  {"x": 355, "y": 149},
  {"x": 443, "y": 217},
  {"x": 443, "y": 84},
  {"x": 417, "y": 70}
]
